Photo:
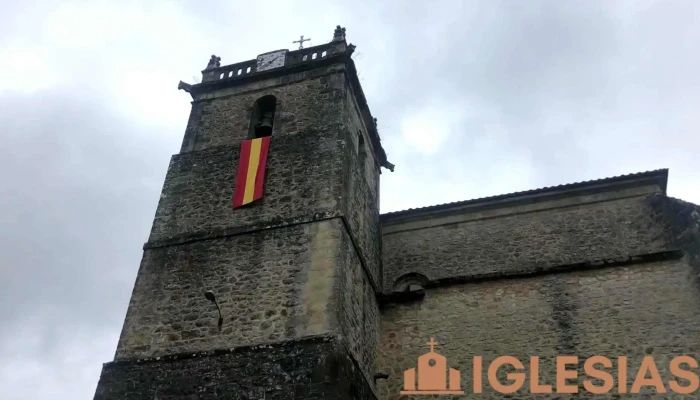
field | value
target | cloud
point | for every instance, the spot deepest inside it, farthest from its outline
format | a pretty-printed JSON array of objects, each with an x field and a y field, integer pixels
[
  {"x": 25, "y": 68},
  {"x": 80, "y": 189},
  {"x": 473, "y": 99}
]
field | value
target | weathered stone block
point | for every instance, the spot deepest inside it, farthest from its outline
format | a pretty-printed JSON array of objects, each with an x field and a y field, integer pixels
[{"x": 312, "y": 369}]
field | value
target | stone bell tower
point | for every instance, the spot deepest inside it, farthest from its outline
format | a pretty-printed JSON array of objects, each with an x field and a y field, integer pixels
[{"x": 294, "y": 276}]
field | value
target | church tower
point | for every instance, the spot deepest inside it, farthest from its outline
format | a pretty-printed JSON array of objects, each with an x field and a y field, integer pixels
[{"x": 276, "y": 299}]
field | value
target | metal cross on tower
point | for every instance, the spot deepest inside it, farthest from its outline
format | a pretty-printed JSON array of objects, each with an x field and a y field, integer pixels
[{"x": 301, "y": 41}]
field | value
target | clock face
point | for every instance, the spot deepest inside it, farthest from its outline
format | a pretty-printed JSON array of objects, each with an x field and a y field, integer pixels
[{"x": 271, "y": 60}]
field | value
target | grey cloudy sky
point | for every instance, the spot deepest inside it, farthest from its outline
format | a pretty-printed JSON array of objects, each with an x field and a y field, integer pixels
[{"x": 474, "y": 98}]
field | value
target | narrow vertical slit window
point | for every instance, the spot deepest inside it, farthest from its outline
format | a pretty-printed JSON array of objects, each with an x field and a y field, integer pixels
[{"x": 361, "y": 148}]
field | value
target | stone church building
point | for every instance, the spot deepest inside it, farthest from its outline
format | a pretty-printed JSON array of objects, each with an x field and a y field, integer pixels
[{"x": 310, "y": 293}]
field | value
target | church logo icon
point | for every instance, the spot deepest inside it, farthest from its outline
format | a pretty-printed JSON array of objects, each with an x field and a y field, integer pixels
[{"x": 431, "y": 375}]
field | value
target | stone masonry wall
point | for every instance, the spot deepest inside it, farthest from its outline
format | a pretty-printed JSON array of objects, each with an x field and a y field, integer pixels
[
  {"x": 355, "y": 125},
  {"x": 634, "y": 311},
  {"x": 361, "y": 181},
  {"x": 310, "y": 101},
  {"x": 302, "y": 183},
  {"x": 525, "y": 242},
  {"x": 312, "y": 169},
  {"x": 271, "y": 285},
  {"x": 306, "y": 370},
  {"x": 358, "y": 311},
  {"x": 681, "y": 221}
]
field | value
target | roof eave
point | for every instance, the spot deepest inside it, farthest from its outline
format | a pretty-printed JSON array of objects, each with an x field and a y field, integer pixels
[{"x": 656, "y": 177}]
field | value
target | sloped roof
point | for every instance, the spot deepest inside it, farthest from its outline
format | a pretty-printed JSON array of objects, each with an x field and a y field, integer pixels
[{"x": 659, "y": 176}]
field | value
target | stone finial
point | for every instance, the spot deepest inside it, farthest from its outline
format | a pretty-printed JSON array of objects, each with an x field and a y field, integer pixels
[
  {"x": 214, "y": 62},
  {"x": 339, "y": 34}
]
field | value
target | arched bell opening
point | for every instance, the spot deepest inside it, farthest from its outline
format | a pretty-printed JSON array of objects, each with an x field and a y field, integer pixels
[{"x": 263, "y": 117}]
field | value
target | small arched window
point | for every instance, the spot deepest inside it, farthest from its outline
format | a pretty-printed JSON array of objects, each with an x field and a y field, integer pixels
[
  {"x": 410, "y": 282},
  {"x": 263, "y": 117}
]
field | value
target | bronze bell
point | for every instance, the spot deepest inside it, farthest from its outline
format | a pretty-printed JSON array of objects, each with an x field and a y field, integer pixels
[{"x": 264, "y": 127}]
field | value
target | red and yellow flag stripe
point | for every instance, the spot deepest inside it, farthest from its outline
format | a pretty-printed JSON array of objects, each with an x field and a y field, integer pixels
[{"x": 251, "y": 171}]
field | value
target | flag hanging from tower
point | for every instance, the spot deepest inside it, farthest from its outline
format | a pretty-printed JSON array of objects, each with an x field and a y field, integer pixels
[{"x": 251, "y": 171}]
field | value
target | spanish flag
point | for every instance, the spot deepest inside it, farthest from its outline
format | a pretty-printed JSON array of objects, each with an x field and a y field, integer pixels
[{"x": 251, "y": 171}]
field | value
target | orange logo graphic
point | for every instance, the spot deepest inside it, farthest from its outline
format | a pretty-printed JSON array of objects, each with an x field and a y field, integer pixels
[{"x": 432, "y": 375}]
